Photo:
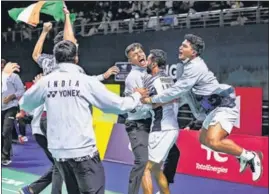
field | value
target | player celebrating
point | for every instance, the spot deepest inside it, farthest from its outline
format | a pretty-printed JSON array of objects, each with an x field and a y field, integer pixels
[{"x": 217, "y": 99}]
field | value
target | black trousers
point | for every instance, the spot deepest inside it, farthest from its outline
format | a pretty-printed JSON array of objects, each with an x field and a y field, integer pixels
[
  {"x": 138, "y": 133},
  {"x": 22, "y": 129},
  {"x": 85, "y": 176},
  {"x": 53, "y": 175},
  {"x": 7, "y": 124},
  {"x": 170, "y": 164}
]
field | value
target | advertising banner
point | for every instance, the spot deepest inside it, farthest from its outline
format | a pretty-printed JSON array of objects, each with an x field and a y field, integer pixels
[
  {"x": 198, "y": 160},
  {"x": 249, "y": 101}
]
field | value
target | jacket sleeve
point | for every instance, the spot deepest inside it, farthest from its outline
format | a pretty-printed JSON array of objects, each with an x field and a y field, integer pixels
[
  {"x": 109, "y": 102},
  {"x": 33, "y": 97},
  {"x": 182, "y": 85}
]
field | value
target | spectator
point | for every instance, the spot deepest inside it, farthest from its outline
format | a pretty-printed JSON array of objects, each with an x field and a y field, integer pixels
[{"x": 12, "y": 89}]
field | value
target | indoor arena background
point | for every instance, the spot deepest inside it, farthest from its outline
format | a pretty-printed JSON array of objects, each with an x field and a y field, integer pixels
[{"x": 236, "y": 37}]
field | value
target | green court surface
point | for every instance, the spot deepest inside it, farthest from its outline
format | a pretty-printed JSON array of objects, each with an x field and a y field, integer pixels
[{"x": 13, "y": 180}]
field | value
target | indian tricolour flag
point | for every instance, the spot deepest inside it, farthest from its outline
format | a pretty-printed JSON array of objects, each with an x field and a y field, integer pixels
[{"x": 31, "y": 14}]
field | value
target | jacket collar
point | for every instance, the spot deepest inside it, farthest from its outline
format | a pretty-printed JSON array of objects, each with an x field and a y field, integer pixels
[
  {"x": 70, "y": 67},
  {"x": 135, "y": 67},
  {"x": 188, "y": 61}
]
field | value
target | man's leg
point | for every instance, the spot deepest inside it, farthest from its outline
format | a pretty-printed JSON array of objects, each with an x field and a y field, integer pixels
[
  {"x": 215, "y": 138},
  {"x": 68, "y": 175},
  {"x": 170, "y": 164},
  {"x": 52, "y": 176},
  {"x": 22, "y": 127},
  {"x": 57, "y": 180},
  {"x": 2, "y": 124},
  {"x": 8, "y": 124},
  {"x": 14, "y": 135},
  {"x": 147, "y": 181},
  {"x": 138, "y": 135},
  {"x": 90, "y": 175},
  {"x": 160, "y": 178},
  {"x": 160, "y": 145}
]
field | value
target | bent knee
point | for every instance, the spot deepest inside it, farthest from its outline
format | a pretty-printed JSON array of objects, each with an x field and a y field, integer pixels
[
  {"x": 202, "y": 137},
  {"x": 211, "y": 142}
]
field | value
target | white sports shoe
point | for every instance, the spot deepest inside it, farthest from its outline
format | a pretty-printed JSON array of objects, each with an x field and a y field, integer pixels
[
  {"x": 243, "y": 164},
  {"x": 256, "y": 166},
  {"x": 158, "y": 192}
]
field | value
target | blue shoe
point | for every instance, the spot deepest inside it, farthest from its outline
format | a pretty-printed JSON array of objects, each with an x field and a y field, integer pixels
[{"x": 25, "y": 190}]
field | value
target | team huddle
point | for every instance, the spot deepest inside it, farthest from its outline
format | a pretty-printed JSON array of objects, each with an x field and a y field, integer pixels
[{"x": 151, "y": 102}]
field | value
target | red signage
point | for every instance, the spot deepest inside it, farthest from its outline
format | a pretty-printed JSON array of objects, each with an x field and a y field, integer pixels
[
  {"x": 198, "y": 160},
  {"x": 249, "y": 101}
]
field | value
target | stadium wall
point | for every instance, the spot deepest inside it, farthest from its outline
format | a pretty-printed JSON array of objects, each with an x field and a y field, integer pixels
[{"x": 237, "y": 55}]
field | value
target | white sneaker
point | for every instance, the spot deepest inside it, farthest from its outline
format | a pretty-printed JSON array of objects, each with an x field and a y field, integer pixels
[
  {"x": 256, "y": 166},
  {"x": 243, "y": 164},
  {"x": 158, "y": 192}
]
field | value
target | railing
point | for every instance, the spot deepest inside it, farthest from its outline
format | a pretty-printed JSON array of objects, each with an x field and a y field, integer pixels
[{"x": 218, "y": 18}]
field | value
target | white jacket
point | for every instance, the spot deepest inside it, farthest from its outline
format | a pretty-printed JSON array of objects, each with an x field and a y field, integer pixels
[{"x": 67, "y": 94}]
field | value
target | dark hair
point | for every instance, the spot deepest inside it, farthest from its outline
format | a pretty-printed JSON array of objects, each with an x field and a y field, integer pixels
[
  {"x": 197, "y": 43},
  {"x": 132, "y": 47},
  {"x": 59, "y": 37},
  {"x": 65, "y": 51},
  {"x": 4, "y": 62},
  {"x": 159, "y": 57}
]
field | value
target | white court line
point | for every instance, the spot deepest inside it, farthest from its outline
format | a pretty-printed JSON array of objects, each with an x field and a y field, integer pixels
[{"x": 12, "y": 191}]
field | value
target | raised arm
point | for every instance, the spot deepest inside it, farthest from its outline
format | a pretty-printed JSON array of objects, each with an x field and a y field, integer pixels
[
  {"x": 39, "y": 45},
  {"x": 68, "y": 29}
]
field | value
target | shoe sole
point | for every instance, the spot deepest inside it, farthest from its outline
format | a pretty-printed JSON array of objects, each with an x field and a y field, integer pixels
[
  {"x": 7, "y": 164},
  {"x": 260, "y": 155}
]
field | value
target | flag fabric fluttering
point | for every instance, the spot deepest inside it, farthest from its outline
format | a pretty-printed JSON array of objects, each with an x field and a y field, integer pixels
[{"x": 31, "y": 14}]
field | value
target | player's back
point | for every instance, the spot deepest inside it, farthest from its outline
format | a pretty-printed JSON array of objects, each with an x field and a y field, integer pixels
[{"x": 163, "y": 117}]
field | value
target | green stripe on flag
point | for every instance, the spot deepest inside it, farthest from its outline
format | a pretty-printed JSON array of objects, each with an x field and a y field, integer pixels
[
  {"x": 55, "y": 9},
  {"x": 14, "y": 13}
]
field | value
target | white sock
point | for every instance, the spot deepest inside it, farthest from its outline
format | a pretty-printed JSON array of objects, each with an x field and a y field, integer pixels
[{"x": 248, "y": 155}]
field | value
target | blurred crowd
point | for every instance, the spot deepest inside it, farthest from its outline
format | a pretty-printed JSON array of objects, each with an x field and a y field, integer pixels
[
  {"x": 107, "y": 11},
  {"x": 119, "y": 10}
]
